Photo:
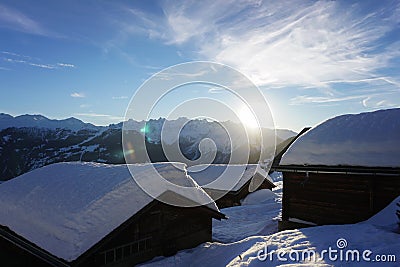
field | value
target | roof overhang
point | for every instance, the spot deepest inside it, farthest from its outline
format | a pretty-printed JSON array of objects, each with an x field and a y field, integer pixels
[{"x": 31, "y": 248}]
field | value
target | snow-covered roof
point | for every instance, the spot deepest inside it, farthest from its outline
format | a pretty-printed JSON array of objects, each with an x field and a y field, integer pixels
[
  {"x": 66, "y": 208},
  {"x": 226, "y": 177},
  {"x": 366, "y": 140}
]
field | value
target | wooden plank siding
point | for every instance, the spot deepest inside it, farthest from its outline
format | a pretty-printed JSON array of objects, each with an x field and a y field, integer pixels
[
  {"x": 161, "y": 230},
  {"x": 336, "y": 198}
]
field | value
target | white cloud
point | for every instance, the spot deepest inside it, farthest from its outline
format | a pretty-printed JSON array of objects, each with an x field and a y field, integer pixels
[
  {"x": 77, "y": 95},
  {"x": 289, "y": 43}
]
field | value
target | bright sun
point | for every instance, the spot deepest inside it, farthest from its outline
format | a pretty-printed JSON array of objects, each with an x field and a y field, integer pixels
[{"x": 247, "y": 118}]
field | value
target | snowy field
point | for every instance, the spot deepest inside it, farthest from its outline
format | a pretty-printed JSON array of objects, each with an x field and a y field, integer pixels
[{"x": 250, "y": 238}]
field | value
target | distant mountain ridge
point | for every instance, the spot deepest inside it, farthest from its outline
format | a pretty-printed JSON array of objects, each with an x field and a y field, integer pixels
[
  {"x": 74, "y": 124},
  {"x": 40, "y": 121},
  {"x": 33, "y": 141}
]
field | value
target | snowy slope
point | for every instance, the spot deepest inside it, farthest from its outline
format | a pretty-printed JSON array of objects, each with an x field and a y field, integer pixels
[
  {"x": 367, "y": 139},
  {"x": 225, "y": 177},
  {"x": 380, "y": 235},
  {"x": 66, "y": 208}
]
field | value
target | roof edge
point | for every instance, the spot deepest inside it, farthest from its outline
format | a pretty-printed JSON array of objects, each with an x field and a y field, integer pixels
[{"x": 338, "y": 169}]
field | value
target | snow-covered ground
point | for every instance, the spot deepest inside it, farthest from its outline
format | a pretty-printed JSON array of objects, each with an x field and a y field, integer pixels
[
  {"x": 258, "y": 215},
  {"x": 246, "y": 236}
]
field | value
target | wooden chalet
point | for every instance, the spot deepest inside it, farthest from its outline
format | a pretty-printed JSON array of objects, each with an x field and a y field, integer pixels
[
  {"x": 90, "y": 214},
  {"x": 344, "y": 170},
  {"x": 228, "y": 184}
]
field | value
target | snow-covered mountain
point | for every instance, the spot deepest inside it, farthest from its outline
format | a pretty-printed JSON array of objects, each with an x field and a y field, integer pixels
[
  {"x": 31, "y": 141},
  {"x": 285, "y": 134},
  {"x": 39, "y": 121}
]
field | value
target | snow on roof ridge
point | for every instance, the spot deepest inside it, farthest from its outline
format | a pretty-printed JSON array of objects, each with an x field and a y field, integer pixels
[
  {"x": 75, "y": 203},
  {"x": 368, "y": 139}
]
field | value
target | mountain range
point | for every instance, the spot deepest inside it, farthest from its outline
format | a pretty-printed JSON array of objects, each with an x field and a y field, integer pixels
[{"x": 32, "y": 141}]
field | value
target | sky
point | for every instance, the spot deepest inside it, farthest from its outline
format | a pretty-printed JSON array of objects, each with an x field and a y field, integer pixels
[{"x": 312, "y": 60}]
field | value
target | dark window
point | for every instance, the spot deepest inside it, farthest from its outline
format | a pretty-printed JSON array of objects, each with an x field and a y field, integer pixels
[
  {"x": 118, "y": 254},
  {"x": 127, "y": 251},
  {"x": 135, "y": 248},
  {"x": 109, "y": 256},
  {"x": 142, "y": 246},
  {"x": 121, "y": 252}
]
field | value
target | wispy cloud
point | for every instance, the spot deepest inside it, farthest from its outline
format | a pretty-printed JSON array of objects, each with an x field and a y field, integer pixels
[
  {"x": 65, "y": 65},
  {"x": 17, "y": 55},
  {"x": 289, "y": 43},
  {"x": 44, "y": 66},
  {"x": 380, "y": 102},
  {"x": 78, "y": 95},
  {"x": 370, "y": 99},
  {"x": 16, "y": 20},
  {"x": 216, "y": 90},
  {"x": 299, "y": 100},
  {"x": 14, "y": 58},
  {"x": 85, "y": 105},
  {"x": 119, "y": 97}
]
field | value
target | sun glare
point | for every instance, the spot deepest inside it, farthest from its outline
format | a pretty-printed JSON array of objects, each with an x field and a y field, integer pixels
[{"x": 247, "y": 118}]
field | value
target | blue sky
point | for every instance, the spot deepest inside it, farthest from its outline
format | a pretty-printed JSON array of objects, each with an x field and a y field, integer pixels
[{"x": 312, "y": 59}]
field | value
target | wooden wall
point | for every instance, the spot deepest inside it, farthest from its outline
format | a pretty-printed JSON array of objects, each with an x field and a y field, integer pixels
[
  {"x": 160, "y": 230},
  {"x": 336, "y": 198}
]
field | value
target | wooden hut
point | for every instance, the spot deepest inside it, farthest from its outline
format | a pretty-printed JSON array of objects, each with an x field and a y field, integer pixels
[
  {"x": 228, "y": 184},
  {"x": 90, "y": 214},
  {"x": 342, "y": 171}
]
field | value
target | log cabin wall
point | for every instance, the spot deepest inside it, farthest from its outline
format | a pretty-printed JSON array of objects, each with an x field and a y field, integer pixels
[
  {"x": 160, "y": 230},
  {"x": 336, "y": 198}
]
